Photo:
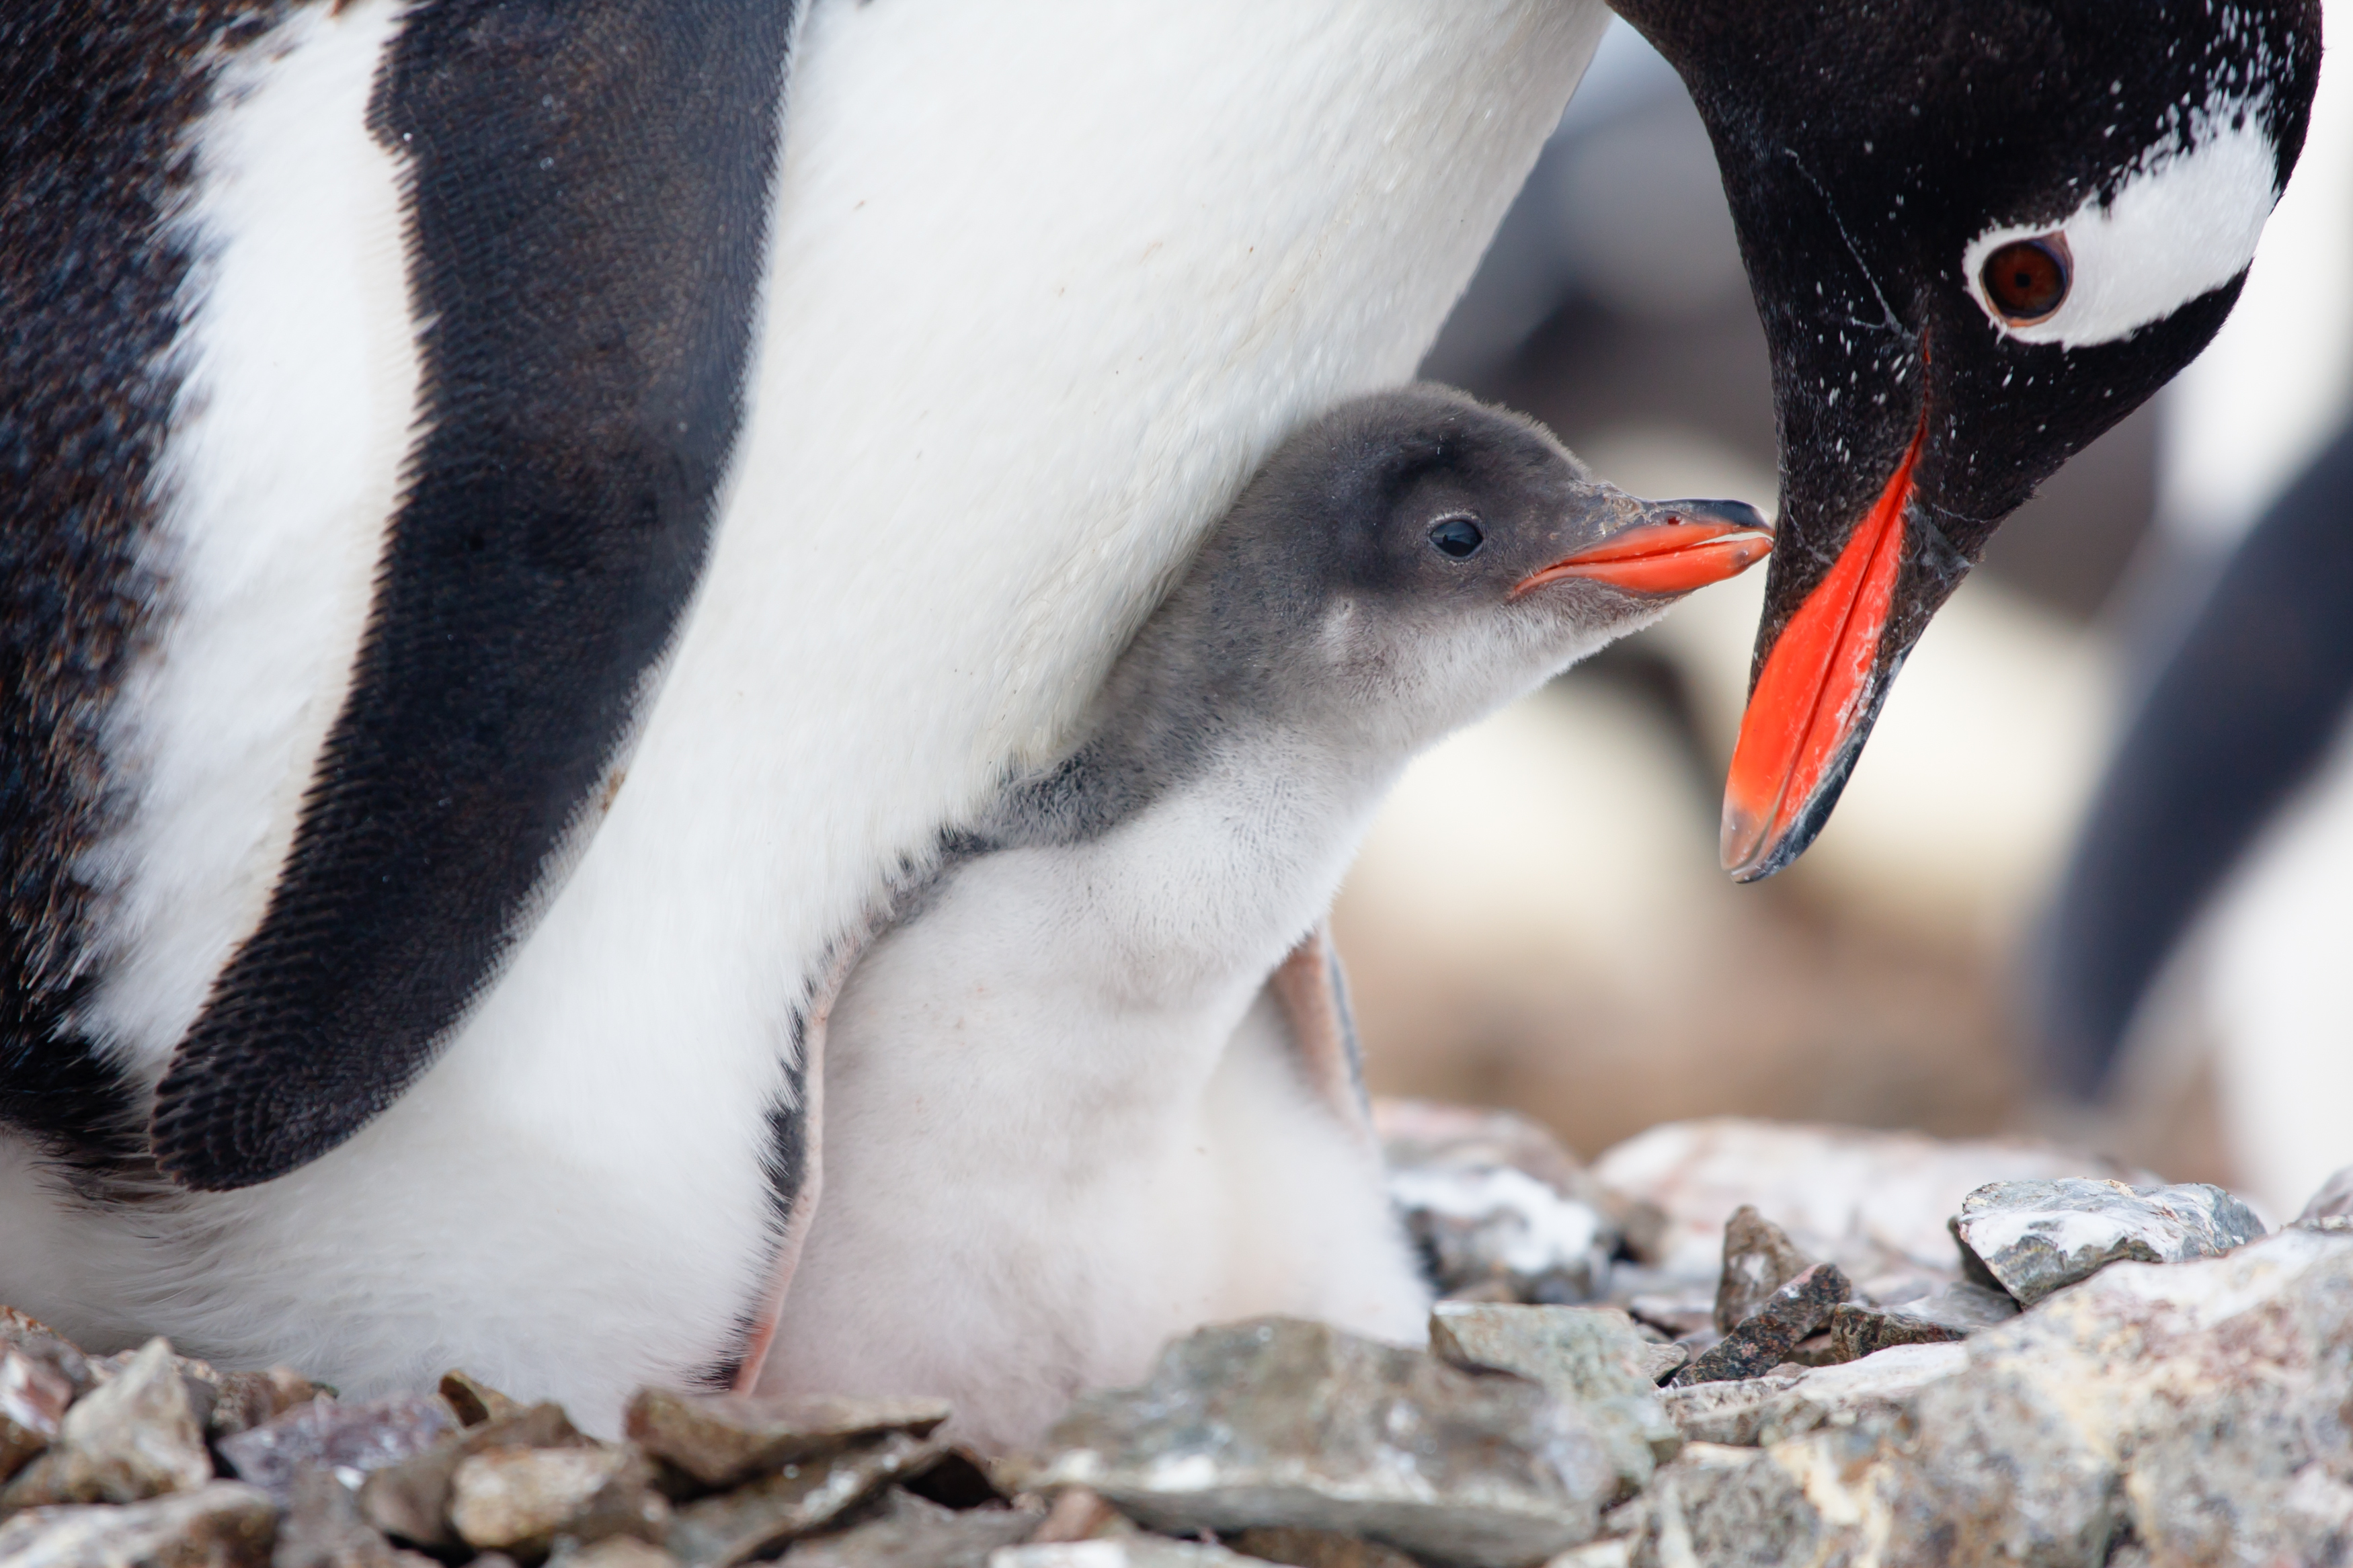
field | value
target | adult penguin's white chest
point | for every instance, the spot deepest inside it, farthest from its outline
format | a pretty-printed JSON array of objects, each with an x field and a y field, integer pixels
[{"x": 1047, "y": 280}]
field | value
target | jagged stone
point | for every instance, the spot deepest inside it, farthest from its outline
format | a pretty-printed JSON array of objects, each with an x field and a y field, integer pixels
[
  {"x": 476, "y": 1403},
  {"x": 322, "y": 1528},
  {"x": 1685, "y": 1319},
  {"x": 2034, "y": 1238},
  {"x": 2331, "y": 1207},
  {"x": 45, "y": 1345},
  {"x": 1799, "y": 1502},
  {"x": 1953, "y": 1313},
  {"x": 1759, "y": 1259},
  {"x": 224, "y": 1524},
  {"x": 1499, "y": 1209},
  {"x": 1121, "y": 1552},
  {"x": 1278, "y": 1422},
  {"x": 1725, "y": 1413},
  {"x": 912, "y": 1534},
  {"x": 351, "y": 1439},
  {"x": 242, "y": 1400},
  {"x": 410, "y": 1500},
  {"x": 518, "y": 1500},
  {"x": 1588, "y": 1356},
  {"x": 1868, "y": 1201},
  {"x": 136, "y": 1435},
  {"x": 613, "y": 1552},
  {"x": 1767, "y": 1409},
  {"x": 1314, "y": 1549},
  {"x": 724, "y": 1439},
  {"x": 2189, "y": 1413},
  {"x": 1079, "y": 1514},
  {"x": 1766, "y": 1337},
  {"x": 33, "y": 1395},
  {"x": 800, "y": 1499},
  {"x": 1661, "y": 1362}
]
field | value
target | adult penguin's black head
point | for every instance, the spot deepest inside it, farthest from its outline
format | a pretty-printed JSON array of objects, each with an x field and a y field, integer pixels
[{"x": 1979, "y": 232}]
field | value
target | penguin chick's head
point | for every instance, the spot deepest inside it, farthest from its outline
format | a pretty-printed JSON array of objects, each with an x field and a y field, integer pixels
[
  {"x": 1979, "y": 232},
  {"x": 1416, "y": 559}
]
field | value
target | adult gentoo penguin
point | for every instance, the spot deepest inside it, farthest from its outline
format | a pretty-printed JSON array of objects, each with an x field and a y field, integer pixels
[
  {"x": 522, "y": 531},
  {"x": 1085, "y": 972}
]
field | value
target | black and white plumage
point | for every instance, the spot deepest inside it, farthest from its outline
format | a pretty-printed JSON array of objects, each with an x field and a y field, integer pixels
[
  {"x": 1067, "y": 1116},
  {"x": 525, "y": 523}
]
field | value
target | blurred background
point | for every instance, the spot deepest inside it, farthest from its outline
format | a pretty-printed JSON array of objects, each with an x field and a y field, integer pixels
[{"x": 2062, "y": 894}]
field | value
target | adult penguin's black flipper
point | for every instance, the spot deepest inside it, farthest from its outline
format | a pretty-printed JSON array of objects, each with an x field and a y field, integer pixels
[{"x": 586, "y": 225}]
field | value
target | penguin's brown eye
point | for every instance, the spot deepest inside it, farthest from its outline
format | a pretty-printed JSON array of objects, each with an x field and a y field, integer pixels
[
  {"x": 2027, "y": 278},
  {"x": 1458, "y": 537}
]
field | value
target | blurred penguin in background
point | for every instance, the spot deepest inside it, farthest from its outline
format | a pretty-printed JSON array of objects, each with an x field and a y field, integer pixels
[{"x": 2203, "y": 920}]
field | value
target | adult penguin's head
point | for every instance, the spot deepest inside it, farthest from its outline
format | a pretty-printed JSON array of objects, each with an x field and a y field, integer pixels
[{"x": 1981, "y": 232}]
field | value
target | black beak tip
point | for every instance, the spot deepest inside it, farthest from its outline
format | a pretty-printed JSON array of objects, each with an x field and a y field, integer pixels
[{"x": 1735, "y": 513}]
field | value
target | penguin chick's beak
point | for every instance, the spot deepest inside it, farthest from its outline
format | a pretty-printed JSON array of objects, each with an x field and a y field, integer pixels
[
  {"x": 1691, "y": 544},
  {"x": 1817, "y": 692}
]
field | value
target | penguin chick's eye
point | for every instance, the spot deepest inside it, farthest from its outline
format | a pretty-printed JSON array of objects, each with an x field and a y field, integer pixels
[
  {"x": 2027, "y": 278},
  {"x": 1458, "y": 537}
]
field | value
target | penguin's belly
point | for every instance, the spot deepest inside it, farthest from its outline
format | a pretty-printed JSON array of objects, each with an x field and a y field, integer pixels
[
  {"x": 1047, "y": 281},
  {"x": 1040, "y": 1163}
]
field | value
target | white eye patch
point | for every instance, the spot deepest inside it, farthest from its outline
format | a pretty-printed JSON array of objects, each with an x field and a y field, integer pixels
[{"x": 2184, "y": 224}]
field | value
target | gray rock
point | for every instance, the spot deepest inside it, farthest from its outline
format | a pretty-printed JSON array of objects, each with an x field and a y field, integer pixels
[
  {"x": 1814, "y": 1499},
  {"x": 1769, "y": 1409},
  {"x": 1587, "y": 1356},
  {"x": 1277, "y": 1422},
  {"x": 1759, "y": 1259},
  {"x": 32, "y": 1398},
  {"x": 613, "y": 1552},
  {"x": 244, "y": 1400},
  {"x": 1730, "y": 1413},
  {"x": 1499, "y": 1208},
  {"x": 798, "y": 1500},
  {"x": 135, "y": 1436},
  {"x": 2331, "y": 1207},
  {"x": 1882, "y": 1385},
  {"x": 518, "y": 1500},
  {"x": 225, "y": 1524},
  {"x": 912, "y": 1534},
  {"x": 1661, "y": 1362},
  {"x": 1867, "y": 1201},
  {"x": 2179, "y": 1403},
  {"x": 1314, "y": 1548},
  {"x": 722, "y": 1439},
  {"x": 1681, "y": 1317},
  {"x": 322, "y": 1528},
  {"x": 1079, "y": 1514},
  {"x": 2034, "y": 1238},
  {"x": 2193, "y": 1412},
  {"x": 410, "y": 1500},
  {"x": 1121, "y": 1552},
  {"x": 476, "y": 1403},
  {"x": 351, "y": 1439},
  {"x": 1953, "y": 1313},
  {"x": 44, "y": 1343},
  {"x": 1765, "y": 1339}
]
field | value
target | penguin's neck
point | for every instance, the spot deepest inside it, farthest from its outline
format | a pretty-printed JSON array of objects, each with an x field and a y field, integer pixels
[{"x": 1220, "y": 875}]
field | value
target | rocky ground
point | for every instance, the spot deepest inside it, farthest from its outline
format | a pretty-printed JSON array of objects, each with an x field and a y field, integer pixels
[{"x": 1727, "y": 1343}]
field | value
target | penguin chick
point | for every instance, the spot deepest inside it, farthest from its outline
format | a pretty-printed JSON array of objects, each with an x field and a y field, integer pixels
[{"x": 1067, "y": 1116}]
